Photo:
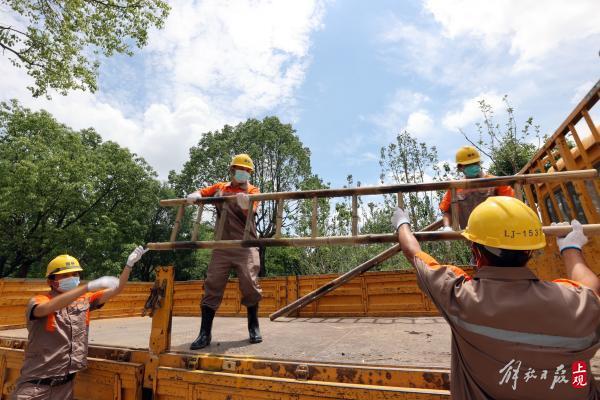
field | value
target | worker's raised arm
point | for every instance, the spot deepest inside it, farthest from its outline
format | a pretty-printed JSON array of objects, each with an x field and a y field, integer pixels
[
  {"x": 409, "y": 244},
  {"x": 570, "y": 248},
  {"x": 47, "y": 307},
  {"x": 124, "y": 277}
]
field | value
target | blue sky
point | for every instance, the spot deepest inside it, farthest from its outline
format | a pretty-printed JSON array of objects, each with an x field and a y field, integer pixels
[{"x": 348, "y": 75}]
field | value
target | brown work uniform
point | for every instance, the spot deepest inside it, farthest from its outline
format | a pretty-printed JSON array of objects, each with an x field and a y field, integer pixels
[
  {"x": 245, "y": 260},
  {"x": 57, "y": 347},
  {"x": 468, "y": 199},
  {"x": 513, "y": 335}
]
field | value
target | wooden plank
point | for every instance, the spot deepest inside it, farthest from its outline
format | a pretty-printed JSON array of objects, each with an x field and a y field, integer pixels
[
  {"x": 590, "y": 123},
  {"x": 563, "y": 187},
  {"x": 542, "y": 205},
  {"x": 557, "y": 209},
  {"x": 323, "y": 290},
  {"x": 279, "y": 218},
  {"x": 518, "y": 188},
  {"x": 589, "y": 210},
  {"x": 580, "y": 110},
  {"x": 400, "y": 199},
  {"x": 454, "y": 211},
  {"x": 318, "y": 241},
  {"x": 3, "y": 372},
  {"x": 354, "y": 215},
  {"x": 400, "y": 188},
  {"x": 584, "y": 155},
  {"x": 197, "y": 222},
  {"x": 177, "y": 225},
  {"x": 314, "y": 228}
]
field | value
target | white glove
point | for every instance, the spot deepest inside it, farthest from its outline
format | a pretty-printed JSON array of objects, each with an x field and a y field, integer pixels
[
  {"x": 243, "y": 200},
  {"x": 447, "y": 229},
  {"x": 576, "y": 239},
  {"x": 399, "y": 218},
  {"x": 192, "y": 197},
  {"x": 106, "y": 282},
  {"x": 135, "y": 256}
]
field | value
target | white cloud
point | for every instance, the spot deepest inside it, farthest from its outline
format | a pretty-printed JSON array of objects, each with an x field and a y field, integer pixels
[
  {"x": 247, "y": 55},
  {"x": 215, "y": 62},
  {"x": 393, "y": 118},
  {"x": 581, "y": 91},
  {"x": 419, "y": 124},
  {"x": 470, "y": 111},
  {"x": 533, "y": 28}
]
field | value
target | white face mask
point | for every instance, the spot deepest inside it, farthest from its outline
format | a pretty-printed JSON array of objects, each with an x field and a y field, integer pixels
[
  {"x": 66, "y": 284},
  {"x": 241, "y": 176}
]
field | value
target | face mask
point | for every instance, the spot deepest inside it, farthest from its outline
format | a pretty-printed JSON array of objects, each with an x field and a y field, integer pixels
[
  {"x": 241, "y": 176},
  {"x": 472, "y": 171},
  {"x": 66, "y": 284}
]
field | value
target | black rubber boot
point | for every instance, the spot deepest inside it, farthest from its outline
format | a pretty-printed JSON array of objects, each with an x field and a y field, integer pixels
[
  {"x": 204, "y": 337},
  {"x": 253, "y": 329}
]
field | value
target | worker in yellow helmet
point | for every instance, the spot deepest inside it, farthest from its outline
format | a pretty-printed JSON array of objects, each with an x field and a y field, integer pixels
[
  {"x": 513, "y": 335},
  {"x": 245, "y": 260},
  {"x": 468, "y": 162},
  {"x": 58, "y": 325}
]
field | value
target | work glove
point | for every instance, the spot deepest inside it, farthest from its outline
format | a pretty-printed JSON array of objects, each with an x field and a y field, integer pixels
[
  {"x": 242, "y": 200},
  {"x": 192, "y": 197},
  {"x": 106, "y": 282},
  {"x": 576, "y": 239},
  {"x": 447, "y": 229},
  {"x": 399, "y": 218},
  {"x": 135, "y": 256}
]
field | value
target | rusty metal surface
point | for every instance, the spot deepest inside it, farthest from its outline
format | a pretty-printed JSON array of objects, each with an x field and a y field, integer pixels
[
  {"x": 176, "y": 383},
  {"x": 103, "y": 379}
]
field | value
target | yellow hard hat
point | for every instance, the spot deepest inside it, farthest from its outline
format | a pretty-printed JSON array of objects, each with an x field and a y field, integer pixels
[
  {"x": 63, "y": 264},
  {"x": 505, "y": 223},
  {"x": 242, "y": 160},
  {"x": 467, "y": 155}
]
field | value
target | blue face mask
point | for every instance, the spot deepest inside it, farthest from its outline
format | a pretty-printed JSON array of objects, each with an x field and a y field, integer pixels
[
  {"x": 241, "y": 176},
  {"x": 66, "y": 284},
  {"x": 472, "y": 171}
]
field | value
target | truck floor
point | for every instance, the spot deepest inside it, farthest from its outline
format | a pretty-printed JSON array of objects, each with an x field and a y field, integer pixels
[{"x": 414, "y": 342}]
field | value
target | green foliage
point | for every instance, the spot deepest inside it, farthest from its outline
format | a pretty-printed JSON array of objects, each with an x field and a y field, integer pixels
[
  {"x": 66, "y": 191},
  {"x": 281, "y": 163},
  {"x": 60, "y": 42},
  {"x": 508, "y": 148}
]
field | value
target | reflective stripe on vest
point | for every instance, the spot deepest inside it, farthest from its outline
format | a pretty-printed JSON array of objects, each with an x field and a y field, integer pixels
[{"x": 534, "y": 339}]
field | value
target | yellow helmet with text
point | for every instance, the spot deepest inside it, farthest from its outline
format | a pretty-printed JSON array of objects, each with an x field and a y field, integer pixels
[
  {"x": 505, "y": 223},
  {"x": 63, "y": 264},
  {"x": 242, "y": 160},
  {"x": 467, "y": 155}
]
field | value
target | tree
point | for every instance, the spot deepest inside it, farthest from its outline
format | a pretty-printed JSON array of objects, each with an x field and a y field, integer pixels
[
  {"x": 410, "y": 161},
  {"x": 66, "y": 191},
  {"x": 281, "y": 163},
  {"x": 508, "y": 148},
  {"x": 59, "y": 43}
]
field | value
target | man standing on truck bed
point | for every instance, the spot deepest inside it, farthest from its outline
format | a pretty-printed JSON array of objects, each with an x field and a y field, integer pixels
[
  {"x": 468, "y": 162},
  {"x": 58, "y": 325},
  {"x": 244, "y": 260},
  {"x": 513, "y": 335}
]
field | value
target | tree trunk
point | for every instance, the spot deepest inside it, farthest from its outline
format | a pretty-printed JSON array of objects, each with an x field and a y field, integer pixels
[
  {"x": 2, "y": 264},
  {"x": 23, "y": 269}
]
